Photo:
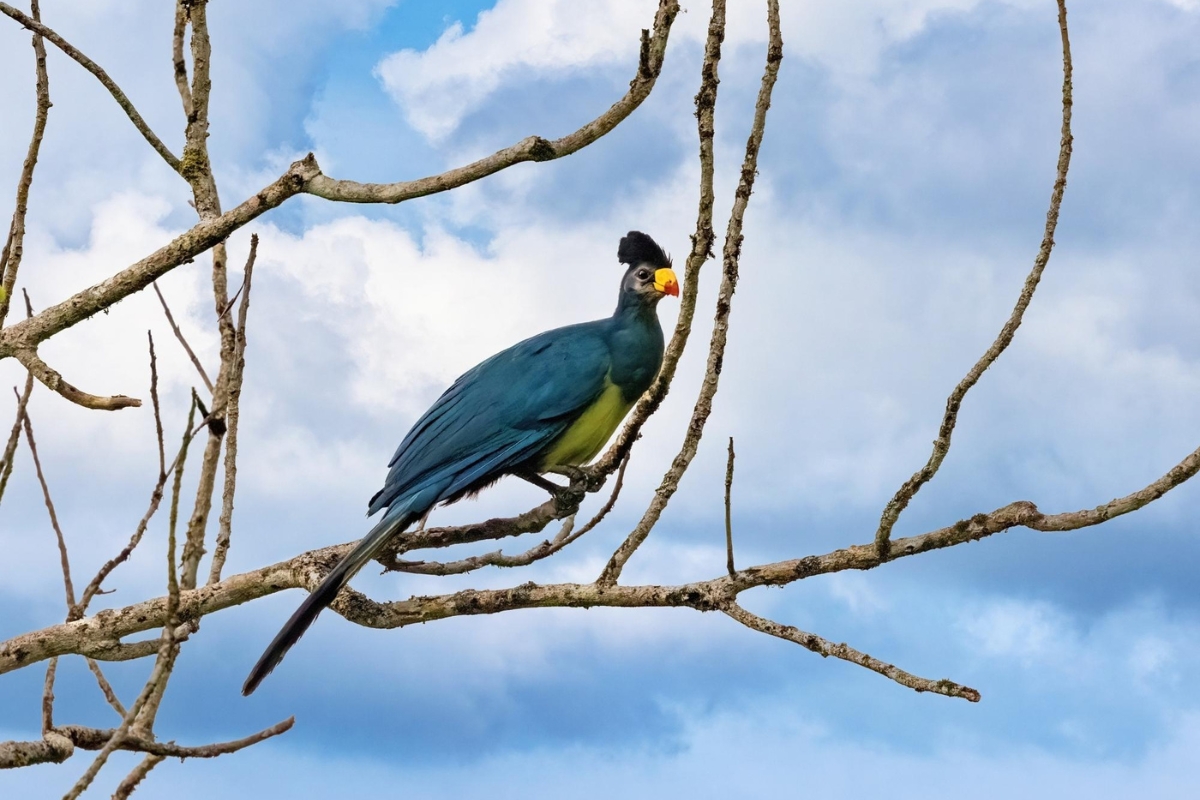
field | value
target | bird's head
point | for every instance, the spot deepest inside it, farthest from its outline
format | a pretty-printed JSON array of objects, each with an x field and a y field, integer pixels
[{"x": 649, "y": 277}]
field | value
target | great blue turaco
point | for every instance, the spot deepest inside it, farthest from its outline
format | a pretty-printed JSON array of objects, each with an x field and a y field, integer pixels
[{"x": 551, "y": 401}]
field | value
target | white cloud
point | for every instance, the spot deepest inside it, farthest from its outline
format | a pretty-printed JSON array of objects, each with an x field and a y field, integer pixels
[{"x": 517, "y": 39}]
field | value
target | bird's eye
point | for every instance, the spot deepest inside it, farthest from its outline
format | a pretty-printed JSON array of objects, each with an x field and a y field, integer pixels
[{"x": 643, "y": 274}]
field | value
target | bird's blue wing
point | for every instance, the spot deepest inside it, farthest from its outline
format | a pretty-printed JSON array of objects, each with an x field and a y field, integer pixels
[{"x": 501, "y": 413}]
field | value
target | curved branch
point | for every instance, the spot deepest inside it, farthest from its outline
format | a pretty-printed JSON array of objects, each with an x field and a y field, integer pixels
[
  {"x": 702, "y": 243},
  {"x": 826, "y": 648},
  {"x": 91, "y": 66},
  {"x": 532, "y": 148},
  {"x": 716, "y": 350},
  {"x": 14, "y": 245},
  {"x": 941, "y": 445},
  {"x": 55, "y": 382}
]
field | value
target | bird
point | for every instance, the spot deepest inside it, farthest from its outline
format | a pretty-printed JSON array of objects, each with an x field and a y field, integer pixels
[{"x": 547, "y": 404}]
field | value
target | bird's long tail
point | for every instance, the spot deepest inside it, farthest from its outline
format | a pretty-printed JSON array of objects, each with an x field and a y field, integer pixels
[{"x": 323, "y": 595}]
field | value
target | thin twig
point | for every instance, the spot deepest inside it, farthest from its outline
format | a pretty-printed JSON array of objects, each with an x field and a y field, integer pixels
[
  {"x": 124, "y": 102},
  {"x": 941, "y": 445},
  {"x": 731, "y": 255},
  {"x": 130, "y": 782},
  {"x": 14, "y": 248},
  {"x": 64, "y": 560},
  {"x": 182, "y": 339},
  {"x": 48, "y": 697},
  {"x": 826, "y": 648},
  {"x": 532, "y": 148},
  {"x": 729, "y": 510},
  {"x": 232, "y": 415},
  {"x": 10, "y": 448},
  {"x": 106, "y": 688},
  {"x": 94, "y": 738},
  {"x": 177, "y": 60}
]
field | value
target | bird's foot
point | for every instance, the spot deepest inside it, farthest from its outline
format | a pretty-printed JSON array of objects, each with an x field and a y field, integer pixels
[
  {"x": 573, "y": 474},
  {"x": 540, "y": 482}
]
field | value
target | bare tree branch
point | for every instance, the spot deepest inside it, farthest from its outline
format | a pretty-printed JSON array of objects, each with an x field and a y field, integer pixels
[
  {"x": 54, "y": 381},
  {"x": 96, "y": 738},
  {"x": 941, "y": 445},
  {"x": 141, "y": 274},
  {"x": 729, "y": 278},
  {"x": 91, "y": 66},
  {"x": 826, "y": 648},
  {"x": 106, "y": 688},
  {"x": 14, "y": 247},
  {"x": 64, "y": 560},
  {"x": 130, "y": 782},
  {"x": 182, "y": 339},
  {"x": 100, "y": 635},
  {"x": 729, "y": 509},
  {"x": 10, "y": 447},
  {"x": 702, "y": 243},
  {"x": 533, "y": 148},
  {"x": 232, "y": 414},
  {"x": 156, "y": 495}
]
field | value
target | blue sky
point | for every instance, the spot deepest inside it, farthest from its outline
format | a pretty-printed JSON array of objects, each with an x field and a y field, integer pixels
[{"x": 904, "y": 180}]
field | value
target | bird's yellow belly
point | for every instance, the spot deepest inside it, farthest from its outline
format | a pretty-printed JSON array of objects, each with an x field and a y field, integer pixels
[{"x": 581, "y": 442}]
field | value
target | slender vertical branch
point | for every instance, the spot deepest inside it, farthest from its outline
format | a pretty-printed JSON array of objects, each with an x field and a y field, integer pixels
[
  {"x": 64, "y": 560},
  {"x": 177, "y": 60},
  {"x": 702, "y": 249},
  {"x": 14, "y": 247},
  {"x": 48, "y": 697},
  {"x": 197, "y": 170},
  {"x": 729, "y": 277},
  {"x": 130, "y": 782},
  {"x": 156, "y": 495},
  {"x": 941, "y": 445},
  {"x": 232, "y": 411},
  {"x": 10, "y": 447},
  {"x": 729, "y": 510}
]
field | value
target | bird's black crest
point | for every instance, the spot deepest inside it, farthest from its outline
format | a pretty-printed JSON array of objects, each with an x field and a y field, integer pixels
[{"x": 638, "y": 248}]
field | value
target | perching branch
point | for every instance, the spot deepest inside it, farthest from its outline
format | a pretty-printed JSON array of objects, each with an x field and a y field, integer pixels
[
  {"x": 941, "y": 445},
  {"x": 100, "y": 635}
]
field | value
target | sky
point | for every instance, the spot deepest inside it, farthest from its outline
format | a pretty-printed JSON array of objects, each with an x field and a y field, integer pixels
[{"x": 903, "y": 185}]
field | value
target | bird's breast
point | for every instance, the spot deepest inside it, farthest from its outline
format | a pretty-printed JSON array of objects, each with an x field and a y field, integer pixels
[{"x": 585, "y": 437}]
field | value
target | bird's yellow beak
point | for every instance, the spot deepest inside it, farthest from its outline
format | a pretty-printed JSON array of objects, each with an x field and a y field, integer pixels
[{"x": 665, "y": 282}]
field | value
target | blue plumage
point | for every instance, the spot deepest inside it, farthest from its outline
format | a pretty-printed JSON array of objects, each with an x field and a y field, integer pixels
[{"x": 547, "y": 401}]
